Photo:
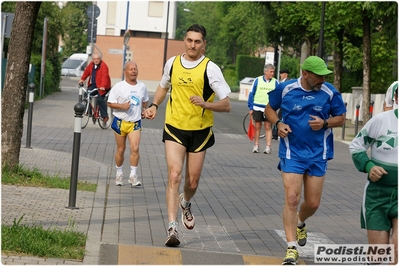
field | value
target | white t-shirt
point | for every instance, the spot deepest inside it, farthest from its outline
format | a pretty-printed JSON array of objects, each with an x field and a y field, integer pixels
[
  {"x": 123, "y": 92},
  {"x": 389, "y": 101},
  {"x": 215, "y": 76}
]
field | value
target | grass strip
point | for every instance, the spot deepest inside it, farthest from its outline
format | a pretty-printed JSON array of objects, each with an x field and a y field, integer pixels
[
  {"x": 24, "y": 240},
  {"x": 34, "y": 178}
]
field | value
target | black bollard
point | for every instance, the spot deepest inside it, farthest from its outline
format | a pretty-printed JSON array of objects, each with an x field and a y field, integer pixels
[
  {"x": 31, "y": 88},
  {"x": 357, "y": 119},
  {"x": 80, "y": 92},
  {"x": 79, "y": 109},
  {"x": 371, "y": 109},
  {"x": 343, "y": 126}
]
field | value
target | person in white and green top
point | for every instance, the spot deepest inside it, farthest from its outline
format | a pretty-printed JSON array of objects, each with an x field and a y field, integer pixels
[
  {"x": 379, "y": 212},
  {"x": 389, "y": 101}
]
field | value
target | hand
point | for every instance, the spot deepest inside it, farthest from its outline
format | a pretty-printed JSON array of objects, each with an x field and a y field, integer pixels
[
  {"x": 376, "y": 173},
  {"x": 283, "y": 129},
  {"x": 101, "y": 89},
  {"x": 143, "y": 113},
  {"x": 151, "y": 112},
  {"x": 125, "y": 106},
  {"x": 316, "y": 123},
  {"x": 197, "y": 101}
]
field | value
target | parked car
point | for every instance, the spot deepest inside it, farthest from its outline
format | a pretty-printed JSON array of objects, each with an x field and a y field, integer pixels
[{"x": 74, "y": 65}]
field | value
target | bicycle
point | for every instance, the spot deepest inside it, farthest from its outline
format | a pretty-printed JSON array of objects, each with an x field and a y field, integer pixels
[
  {"x": 92, "y": 109},
  {"x": 245, "y": 124}
]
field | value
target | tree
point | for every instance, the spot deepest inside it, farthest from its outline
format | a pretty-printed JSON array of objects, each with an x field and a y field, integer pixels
[
  {"x": 75, "y": 23},
  {"x": 13, "y": 98}
]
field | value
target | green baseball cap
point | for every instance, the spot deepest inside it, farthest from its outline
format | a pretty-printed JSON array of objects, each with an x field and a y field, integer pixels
[{"x": 316, "y": 65}]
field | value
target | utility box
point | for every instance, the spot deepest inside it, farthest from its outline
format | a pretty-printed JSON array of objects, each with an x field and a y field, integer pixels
[{"x": 245, "y": 88}]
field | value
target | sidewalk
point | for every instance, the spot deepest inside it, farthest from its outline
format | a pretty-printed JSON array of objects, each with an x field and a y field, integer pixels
[{"x": 237, "y": 207}]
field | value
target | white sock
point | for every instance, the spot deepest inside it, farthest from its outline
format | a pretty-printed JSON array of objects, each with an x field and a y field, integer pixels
[
  {"x": 119, "y": 169},
  {"x": 185, "y": 203},
  {"x": 133, "y": 170},
  {"x": 291, "y": 244},
  {"x": 172, "y": 224},
  {"x": 300, "y": 224}
]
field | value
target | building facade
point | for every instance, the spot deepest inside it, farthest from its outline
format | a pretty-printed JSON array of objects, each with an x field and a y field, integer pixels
[{"x": 151, "y": 25}]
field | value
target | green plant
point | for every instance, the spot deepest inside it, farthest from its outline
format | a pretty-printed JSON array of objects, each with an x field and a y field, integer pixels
[
  {"x": 34, "y": 178},
  {"x": 36, "y": 241}
]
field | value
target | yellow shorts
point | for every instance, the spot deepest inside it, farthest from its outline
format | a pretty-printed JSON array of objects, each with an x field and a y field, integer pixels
[{"x": 122, "y": 127}]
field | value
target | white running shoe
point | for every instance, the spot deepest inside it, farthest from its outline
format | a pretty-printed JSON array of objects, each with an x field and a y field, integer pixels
[
  {"x": 119, "y": 179},
  {"x": 268, "y": 150},
  {"x": 134, "y": 181},
  {"x": 255, "y": 149},
  {"x": 187, "y": 217}
]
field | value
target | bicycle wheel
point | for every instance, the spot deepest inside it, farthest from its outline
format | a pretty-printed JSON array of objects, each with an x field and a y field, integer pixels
[
  {"x": 101, "y": 123},
  {"x": 86, "y": 113},
  {"x": 245, "y": 124}
]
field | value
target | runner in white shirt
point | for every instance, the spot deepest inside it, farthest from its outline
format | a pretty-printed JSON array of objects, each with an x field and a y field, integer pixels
[{"x": 128, "y": 99}]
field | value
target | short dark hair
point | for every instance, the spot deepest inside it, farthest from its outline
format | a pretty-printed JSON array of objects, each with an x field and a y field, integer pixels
[
  {"x": 198, "y": 28},
  {"x": 285, "y": 71}
]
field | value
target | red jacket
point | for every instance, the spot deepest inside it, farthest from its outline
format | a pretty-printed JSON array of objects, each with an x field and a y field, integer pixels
[{"x": 102, "y": 76}]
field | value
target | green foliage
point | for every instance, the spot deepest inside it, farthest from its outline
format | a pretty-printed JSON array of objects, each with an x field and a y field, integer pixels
[
  {"x": 36, "y": 241},
  {"x": 249, "y": 66},
  {"x": 230, "y": 77},
  {"x": 51, "y": 12},
  {"x": 52, "y": 77},
  {"x": 292, "y": 64},
  {"x": 34, "y": 178},
  {"x": 75, "y": 23}
]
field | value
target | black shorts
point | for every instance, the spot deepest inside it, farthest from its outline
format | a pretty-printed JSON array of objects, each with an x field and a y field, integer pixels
[
  {"x": 259, "y": 116},
  {"x": 193, "y": 140}
]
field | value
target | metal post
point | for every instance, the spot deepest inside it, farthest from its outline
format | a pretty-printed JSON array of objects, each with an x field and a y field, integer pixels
[
  {"x": 166, "y": 38},
  {"x": 321, "y": 36},
  {"x": 371, "y": 109},
  {"x": 357, "y": 119},
  {"x": 3, "y": 32},
  {"x": 343, "y": 126},
  {"x": 31, "y": 88},
  {"x": 43, "y": 63},
  {"x": 124, "y": 44},
  {"x": 79, "y": 109},
  {"x": 80, "y": 94}
]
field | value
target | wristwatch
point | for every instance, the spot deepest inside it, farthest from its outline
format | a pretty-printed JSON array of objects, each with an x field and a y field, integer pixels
[
  {"x": 325, "y": 123},
  {"x": 153, "y": 104}
]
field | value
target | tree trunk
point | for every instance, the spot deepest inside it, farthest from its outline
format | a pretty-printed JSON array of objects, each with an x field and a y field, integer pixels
[
  {"x": 337, "y": 57},
  {"x": 366, "y": 67},
  {"x": 14, "y": 93}
]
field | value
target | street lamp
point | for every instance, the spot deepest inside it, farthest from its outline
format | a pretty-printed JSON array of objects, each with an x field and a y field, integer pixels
[{"x": 166, "y": 37}]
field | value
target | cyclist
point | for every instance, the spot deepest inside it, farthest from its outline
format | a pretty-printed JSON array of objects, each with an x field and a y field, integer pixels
[{"x": 98, "y": 72}]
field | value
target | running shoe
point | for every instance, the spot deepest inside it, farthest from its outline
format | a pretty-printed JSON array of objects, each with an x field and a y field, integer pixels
[
  {"x": 255, "y": 149},
  {"x": 173, "y": 237},
  {"x": 187, "y": 217},
  {"x": 119, "y": 179},
  {"x": 301, "y": 235},
  {"x": 268, "y": 150},
  {"x": 134, "y": 181},
  {"x": 291, "y": 257}
]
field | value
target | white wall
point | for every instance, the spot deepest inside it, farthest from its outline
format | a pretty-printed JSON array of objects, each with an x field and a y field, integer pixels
[{"x": 148, "y": 16}]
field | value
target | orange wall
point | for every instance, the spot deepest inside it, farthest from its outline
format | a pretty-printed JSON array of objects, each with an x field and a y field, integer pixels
[{"x": 146, "y": 52}]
